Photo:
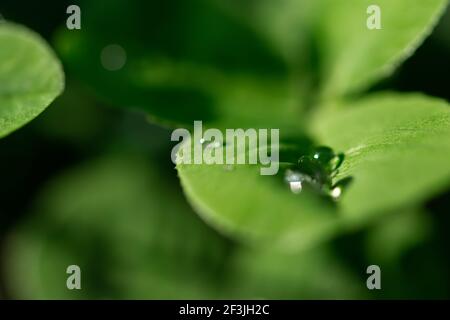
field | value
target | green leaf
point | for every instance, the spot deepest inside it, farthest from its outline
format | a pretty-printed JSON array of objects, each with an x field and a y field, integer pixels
[
  {"x": 314, "y": 274},
  {"x": 128, "y": 228},
  {"x": 259, "y": 209},
  {"x": 354, "y": 57},
  {"x": 331, "y": 35},
  {"x": 134, "y": 237},
  {"x": 397, "y": 149},
  {"x": 31, "y": 76},
  {"x": 286, "y": 24},
  {"x": 393, "y": 237}
]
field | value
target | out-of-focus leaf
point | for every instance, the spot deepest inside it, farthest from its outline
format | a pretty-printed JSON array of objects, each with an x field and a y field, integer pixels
[
  {"x": 394, "y": 236},
  {"x": 406, "y": 245},
  {"x": 88, "y": 120},
  {"x": 135, "y": 238},
  {"x": 287, "y": 24},
  {"x": 397, "y": 149},
  {"x": 350, "y": 56},
  {"x": 185, "y": 61},
  {"x": 30, "y": 76},
  {"x": 314, "y": 274},
  {"x": 128, "y": 229},
  {"x": 354, "y": 57}
]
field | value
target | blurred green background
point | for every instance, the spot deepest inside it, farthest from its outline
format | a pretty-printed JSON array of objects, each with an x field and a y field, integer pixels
[{"x": 92, "y": 184}]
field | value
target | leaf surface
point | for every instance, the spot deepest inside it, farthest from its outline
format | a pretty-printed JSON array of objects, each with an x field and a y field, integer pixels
[
  {"x": 354, "y": 57},
  {"x": 31, "y": 77},
  {"x": 397, "y": 149}
]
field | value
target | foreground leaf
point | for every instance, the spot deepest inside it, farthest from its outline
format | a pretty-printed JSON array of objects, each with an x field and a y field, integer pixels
[
  {"x": 260, "y": 209},
  {"x": 397, "y": 149},
  {"x": 30, "y": 77}
]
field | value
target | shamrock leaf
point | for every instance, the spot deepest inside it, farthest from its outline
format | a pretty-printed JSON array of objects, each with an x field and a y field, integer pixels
[
  {"x": 331, "y": 37},
  {"x": 30, "y": 77},
  {"x": 239, "y": 201},
  {"x": 396, "y": 150},
  {"x": 353, "y": 57}
]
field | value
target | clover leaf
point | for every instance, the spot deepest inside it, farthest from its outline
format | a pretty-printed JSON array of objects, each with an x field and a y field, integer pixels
[
  {"x": 31, "y": 76},
  {"x": 284, "y": 59}
]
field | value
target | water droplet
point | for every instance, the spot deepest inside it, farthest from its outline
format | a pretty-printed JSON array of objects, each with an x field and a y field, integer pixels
[
  {"x": 296, "y": 186},
  {"x": 312, "y": 168},
  {"x": 316, "y": 171},
  {"x": 336, "y": 193},
  {"x": 339, "y": 187},
  {"x": 328, "y": 159},
  {"x": 323, "y": 155},
  {"x": 296, "y": 179}
]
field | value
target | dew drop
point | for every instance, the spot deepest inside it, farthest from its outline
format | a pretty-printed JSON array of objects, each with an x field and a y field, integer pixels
[
  {"x": 296, "y": 186},
  {"x": 316, "y": 171},
  {"x": 340, "y": 187},
  {"x": 295, "y": 180},
  {"x": 336, "y": 193},
  {"x": 323, "y": 155}
]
